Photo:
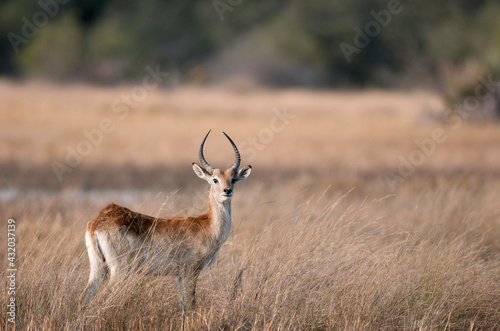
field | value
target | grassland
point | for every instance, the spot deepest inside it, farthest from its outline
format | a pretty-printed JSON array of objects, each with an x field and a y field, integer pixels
[{"x": 366, "y": 210}]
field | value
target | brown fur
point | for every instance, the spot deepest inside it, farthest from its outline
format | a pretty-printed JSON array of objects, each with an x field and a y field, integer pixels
[{"x": 115, "y": 216}]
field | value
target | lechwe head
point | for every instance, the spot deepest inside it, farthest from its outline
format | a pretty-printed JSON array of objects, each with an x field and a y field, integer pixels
[
  {"x": 123, "y": 241},
  {"x": 221, "y": 181}
]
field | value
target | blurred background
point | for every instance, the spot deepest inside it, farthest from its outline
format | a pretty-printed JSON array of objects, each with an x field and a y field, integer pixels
[
  {"x": 170, "y": 70},
  {"x": 443, "y": 45}
]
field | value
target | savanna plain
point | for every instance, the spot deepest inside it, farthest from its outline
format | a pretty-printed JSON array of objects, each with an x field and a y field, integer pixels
[{"x": 365, "y": 210}]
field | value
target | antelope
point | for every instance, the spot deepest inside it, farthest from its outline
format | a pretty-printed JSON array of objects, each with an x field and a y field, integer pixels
[{"x": 126, "y": 242}]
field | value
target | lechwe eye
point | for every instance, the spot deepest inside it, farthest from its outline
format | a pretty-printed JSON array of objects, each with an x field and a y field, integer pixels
[{"x": 216, "y": 180}]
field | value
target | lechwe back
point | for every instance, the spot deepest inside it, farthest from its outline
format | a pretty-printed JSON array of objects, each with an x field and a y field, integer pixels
[{"x": 122, "y": 241}]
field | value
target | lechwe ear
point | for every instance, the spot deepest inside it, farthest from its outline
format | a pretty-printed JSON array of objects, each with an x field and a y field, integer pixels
[
  {"x": 200, "y": 172},
  {"x": 243, "y": 173}
]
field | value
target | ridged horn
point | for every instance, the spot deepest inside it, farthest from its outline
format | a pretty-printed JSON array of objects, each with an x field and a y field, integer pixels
[
  {"x": 204, "y": 162},
  {"x": 237, "y": 156}
]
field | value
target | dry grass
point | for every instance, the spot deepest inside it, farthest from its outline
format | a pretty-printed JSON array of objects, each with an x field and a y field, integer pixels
[{"x": 319, "y": 240}]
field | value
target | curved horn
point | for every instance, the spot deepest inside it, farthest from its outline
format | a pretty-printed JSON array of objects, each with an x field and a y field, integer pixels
[
  {"x": 204, "y": 162},
  {"x": 236, "y": 165}
]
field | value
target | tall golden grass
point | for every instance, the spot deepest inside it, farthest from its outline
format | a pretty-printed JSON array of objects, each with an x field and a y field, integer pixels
[{"x": 319, "y": 239}]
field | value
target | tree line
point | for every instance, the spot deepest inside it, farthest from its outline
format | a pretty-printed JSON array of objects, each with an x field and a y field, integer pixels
[{"x": 314, "y": 43}]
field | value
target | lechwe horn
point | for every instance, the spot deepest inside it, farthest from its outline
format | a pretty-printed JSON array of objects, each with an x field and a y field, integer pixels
[
  {"x": 237, "y": 156},
  {"x": 204, "y": 162}
]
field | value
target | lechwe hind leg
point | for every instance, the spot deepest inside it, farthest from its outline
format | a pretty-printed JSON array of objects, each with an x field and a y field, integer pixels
[{"x": 98, "y": 269}]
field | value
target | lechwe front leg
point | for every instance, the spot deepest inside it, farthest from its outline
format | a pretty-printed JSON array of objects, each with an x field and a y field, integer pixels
[{"x": 186, "y": 282}]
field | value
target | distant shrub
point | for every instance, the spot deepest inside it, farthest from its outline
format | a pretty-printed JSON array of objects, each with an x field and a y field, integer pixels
[{"x": 56, "y": 52}]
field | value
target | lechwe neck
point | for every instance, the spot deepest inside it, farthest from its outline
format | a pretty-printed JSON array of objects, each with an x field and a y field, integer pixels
[{"x": 220, "y": 214}]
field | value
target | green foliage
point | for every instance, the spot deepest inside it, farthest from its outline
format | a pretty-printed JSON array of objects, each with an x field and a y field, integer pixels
[
  {"x": 56, "y": 52},
  {"x": 277, "y": 42}
]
